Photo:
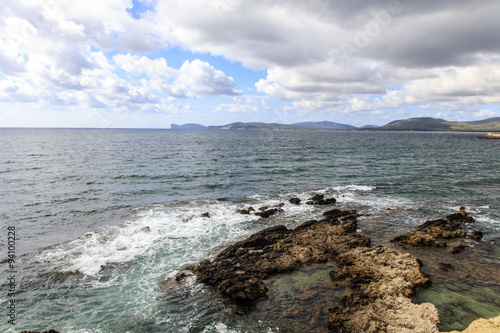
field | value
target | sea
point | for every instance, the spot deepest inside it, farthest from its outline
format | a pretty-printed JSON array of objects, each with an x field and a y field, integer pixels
[{"x": 102, "y": 217}]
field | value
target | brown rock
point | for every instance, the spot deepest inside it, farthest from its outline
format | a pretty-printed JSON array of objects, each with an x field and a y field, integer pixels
[
  {"x": 483, "y": 326},
  {"x": 458, "y": 248},
  {"x": 319, "y": 199},
  {"x": 381, "y": 279},
  {"x": 245, "y": 211},
  {"x": 476, "y": 235},
  {"x": 434, "y": 232},
  {"x": 268, "y": 212},
  {"x": 274, "y": 250}
]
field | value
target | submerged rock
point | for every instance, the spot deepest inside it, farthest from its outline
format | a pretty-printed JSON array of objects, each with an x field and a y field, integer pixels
[
  {"x": 49, "y": 331},
  {"x": 446, "y": 267}
]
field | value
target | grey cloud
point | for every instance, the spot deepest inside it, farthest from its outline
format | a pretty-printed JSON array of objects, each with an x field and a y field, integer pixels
[
  {"x": 73, "y": 61},
  {"x": 289, "y": 33},
  {"x": 95, "y": 103},
  {"x": 10, "y": 66},
  {"x": 452, "y": 36}
]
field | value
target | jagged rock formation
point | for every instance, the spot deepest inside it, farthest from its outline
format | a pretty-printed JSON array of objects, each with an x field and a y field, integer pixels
[
  {"x": 381, "y": 279},
  {"x": 319, "y": 199},
  {"x": 435, "y": 232}
]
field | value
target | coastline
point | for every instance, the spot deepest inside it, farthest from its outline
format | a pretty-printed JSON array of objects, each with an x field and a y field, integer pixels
[{"x": 375, "y": 286}]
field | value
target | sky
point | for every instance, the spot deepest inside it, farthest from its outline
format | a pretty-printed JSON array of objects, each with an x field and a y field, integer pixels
[{"x": 150, "y": 63}]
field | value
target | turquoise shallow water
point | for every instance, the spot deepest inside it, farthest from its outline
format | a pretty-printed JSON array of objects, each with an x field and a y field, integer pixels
[{"x": 104, "y": 216}]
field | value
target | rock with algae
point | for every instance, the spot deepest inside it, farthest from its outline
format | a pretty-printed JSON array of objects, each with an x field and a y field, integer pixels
[{"x": 483, "y": 326}]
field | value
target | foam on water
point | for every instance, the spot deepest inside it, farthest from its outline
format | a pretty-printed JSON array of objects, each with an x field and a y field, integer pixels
[
  {"x": 345, "y": 188},
  {"x": 171, "y": 228},
  {"x": 156, "y": 241},
  {"x": 179, "y": 232}
]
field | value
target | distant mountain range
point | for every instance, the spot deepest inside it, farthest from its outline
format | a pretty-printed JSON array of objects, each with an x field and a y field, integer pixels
[
  {"x": 269, "y": 126},
  {"x": 412, "y": 124},
  {"x": 436, "y": 124}
]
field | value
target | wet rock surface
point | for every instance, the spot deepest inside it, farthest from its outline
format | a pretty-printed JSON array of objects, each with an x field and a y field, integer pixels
[
  {"x": 49, "y": 331},
  {"x": 465, "y": 280},
  {"x": 268, "y": 212},
  {"x": 237, "y": 271},
  {"x": 436, "y": 233},
  {"x": 319, "y": 199},
  {"x": 380, "y": 279}
]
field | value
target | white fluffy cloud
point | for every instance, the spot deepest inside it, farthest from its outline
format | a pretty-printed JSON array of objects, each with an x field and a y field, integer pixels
[
  {"x": 53, "y": 54},
  {"x": 331, "y": 57},
  {"x": 199, "y": 78}
]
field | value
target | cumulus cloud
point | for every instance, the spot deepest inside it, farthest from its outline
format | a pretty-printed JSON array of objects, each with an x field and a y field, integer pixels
[
  {"x": 54, "y": 53},
  {"x": 248, "y": 106},
  {"x": 335, "y": 52},
  {"x": 199, "y": 78},
  {"x": 330, "y": 57},
  {"x": 486, "y": 113}
]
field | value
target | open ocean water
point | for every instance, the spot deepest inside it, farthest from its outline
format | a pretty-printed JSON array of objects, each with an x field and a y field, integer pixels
[{"x": 103, "y": 217}]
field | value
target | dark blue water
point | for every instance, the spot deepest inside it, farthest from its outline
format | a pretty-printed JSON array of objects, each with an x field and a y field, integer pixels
[{"x": 104, "y": 216}]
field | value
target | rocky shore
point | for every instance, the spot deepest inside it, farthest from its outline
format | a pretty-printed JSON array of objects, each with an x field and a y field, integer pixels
[
  {"x": 381, "y": 280},
  {"x": 374, "y": 288}
]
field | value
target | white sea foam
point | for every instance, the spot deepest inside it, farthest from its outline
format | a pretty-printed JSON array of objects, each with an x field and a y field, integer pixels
[
  {"x": 363, "y": 188},
  {"x": 220, "y": 328},
  {"x": 177, "y": 235},
  {"x": 180, "y": 230},
  {"x": 487, "y": 220}
]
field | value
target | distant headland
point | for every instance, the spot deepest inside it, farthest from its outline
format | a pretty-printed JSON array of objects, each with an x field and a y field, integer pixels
[{"x": 411, "y": 124}]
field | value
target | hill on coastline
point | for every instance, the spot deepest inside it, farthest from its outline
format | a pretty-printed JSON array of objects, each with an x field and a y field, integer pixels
[
  {"x": 411, "y": 124},
  {"x": 269, "y": 126},
  {"x": 325, "y": 125},
  {"x": 188, "y": 126},
  {"x": 436, "y": 124}
]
